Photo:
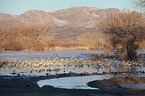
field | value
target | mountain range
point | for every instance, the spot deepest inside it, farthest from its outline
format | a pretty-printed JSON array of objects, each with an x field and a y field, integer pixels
[{"x": 68, "y": 23}]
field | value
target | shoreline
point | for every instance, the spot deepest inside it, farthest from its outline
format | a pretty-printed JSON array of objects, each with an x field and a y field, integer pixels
[
  {"x": 28, "y": 86},
  {"x": 64, "y": 48},
  {"x": 58, "y": 48},
  {"x": 115, "y": 83}
]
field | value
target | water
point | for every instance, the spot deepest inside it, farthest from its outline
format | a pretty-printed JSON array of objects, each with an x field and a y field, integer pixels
[
  {"x": 72, "y": 82},
  {"x": 78, "y": 54},
  {"x": 80, "y": 82},
  {"x": 67, "y": 82},
  {"x": 32, "y": 55},
  {"x": 29, "y": 55}
]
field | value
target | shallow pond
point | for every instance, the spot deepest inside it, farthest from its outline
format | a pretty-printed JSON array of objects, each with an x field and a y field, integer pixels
[
  {"x": 80, "y": 82},
  {"x": 72, "y": 82},
  {"x": 60, "y": 61},
  {"x": 79, "y": 56},
  {"x": 29, "y": 55}
]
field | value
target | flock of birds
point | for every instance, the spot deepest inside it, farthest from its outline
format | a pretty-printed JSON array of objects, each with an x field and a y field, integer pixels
[{"x": 55, "y": 64}]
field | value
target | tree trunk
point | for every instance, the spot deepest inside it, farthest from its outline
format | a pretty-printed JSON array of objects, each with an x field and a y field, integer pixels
[{"x": 131, "y": 53}]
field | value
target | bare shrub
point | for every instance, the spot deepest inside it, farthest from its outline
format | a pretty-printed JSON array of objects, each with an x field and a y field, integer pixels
[
  {"x": 141, "y": 4},
  {"x": 25, "y": 37},
  {"x": 126, "y": 31},
  {"x": 93, "y": 40}
]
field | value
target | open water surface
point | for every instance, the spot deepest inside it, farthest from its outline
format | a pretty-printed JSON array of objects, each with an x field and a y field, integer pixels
[{"x": 67, "y": 82}]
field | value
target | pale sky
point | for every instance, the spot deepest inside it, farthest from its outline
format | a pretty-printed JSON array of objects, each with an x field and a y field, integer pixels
[{"x": 17, "y": 7}]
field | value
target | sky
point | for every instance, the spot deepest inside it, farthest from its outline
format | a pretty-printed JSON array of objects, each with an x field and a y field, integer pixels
[{"x": 17, "y": 7}]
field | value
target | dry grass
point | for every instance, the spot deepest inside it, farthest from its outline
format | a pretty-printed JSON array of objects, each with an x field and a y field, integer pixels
[
  {"x": 94, "y": 40},
  {"x": 63, "y": 43}
]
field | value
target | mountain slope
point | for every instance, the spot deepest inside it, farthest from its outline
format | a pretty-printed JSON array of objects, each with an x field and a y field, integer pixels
[
  {"x": 82, "y": 16},
  {"x": 75, "y": 16},
  {"x": 4, "y": 16},
  {"x": 68, "y": 23}
]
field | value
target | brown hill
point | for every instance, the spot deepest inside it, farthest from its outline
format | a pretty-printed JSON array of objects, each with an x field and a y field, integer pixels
[
  {"x": 68, "y": 23},
  {"x": 7, "y": 19},
  {"x": 37, "y": 16},
  {"x": 75, "y": 16},
  {"x": 4, "y": 16},
  {"x": 82, "y": 16}
]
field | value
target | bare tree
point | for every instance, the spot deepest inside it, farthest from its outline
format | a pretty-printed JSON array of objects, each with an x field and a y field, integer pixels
[
  {"x": 141, "y": 4},
  {"x": 125, "y": 30}
]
